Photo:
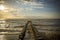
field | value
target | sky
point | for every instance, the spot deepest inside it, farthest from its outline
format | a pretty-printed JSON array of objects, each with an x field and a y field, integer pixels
[{"x": 37, "y": 8}]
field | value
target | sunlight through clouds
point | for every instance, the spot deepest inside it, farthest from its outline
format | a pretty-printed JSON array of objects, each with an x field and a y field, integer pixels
[
  {"x": 11, "y": 13},
  {"x": 22, "y": 8}
]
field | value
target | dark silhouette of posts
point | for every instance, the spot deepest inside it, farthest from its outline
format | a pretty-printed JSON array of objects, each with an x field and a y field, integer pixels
[
  {"x": 32, "y": 31},
  {"x": 22, "y": 35}
]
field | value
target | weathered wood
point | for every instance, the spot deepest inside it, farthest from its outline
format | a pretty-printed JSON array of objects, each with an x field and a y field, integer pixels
[{"x": 34, "y": 34}]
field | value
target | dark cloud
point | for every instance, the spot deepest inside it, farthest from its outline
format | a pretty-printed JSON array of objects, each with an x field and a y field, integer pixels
[{"x": 27, "y": 0}]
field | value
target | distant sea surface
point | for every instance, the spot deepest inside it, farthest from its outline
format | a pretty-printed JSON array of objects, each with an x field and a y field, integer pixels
[{"x": 53, "y": 25}]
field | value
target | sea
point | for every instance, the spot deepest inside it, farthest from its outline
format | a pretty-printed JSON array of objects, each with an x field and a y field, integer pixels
[{"x": 49, "y": 28}]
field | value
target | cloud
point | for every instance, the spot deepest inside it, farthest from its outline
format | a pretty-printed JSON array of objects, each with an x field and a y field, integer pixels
[
  {"x": 12, "y": 13},
  {"x": 34, "y": 4},
  {"x": 20, "y": 9},
  {"x": 30, "y": 0},
  {"x": 30, "y": 4},
  {"x": 30, "y": 9},
  {"x": 17, "y": 12},
  {"x": 2, "y": 1},
  {"x": 37, "y": 5}
]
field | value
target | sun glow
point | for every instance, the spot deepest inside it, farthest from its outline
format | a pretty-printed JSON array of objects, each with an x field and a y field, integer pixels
[{"x": 2, "y": 7}]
